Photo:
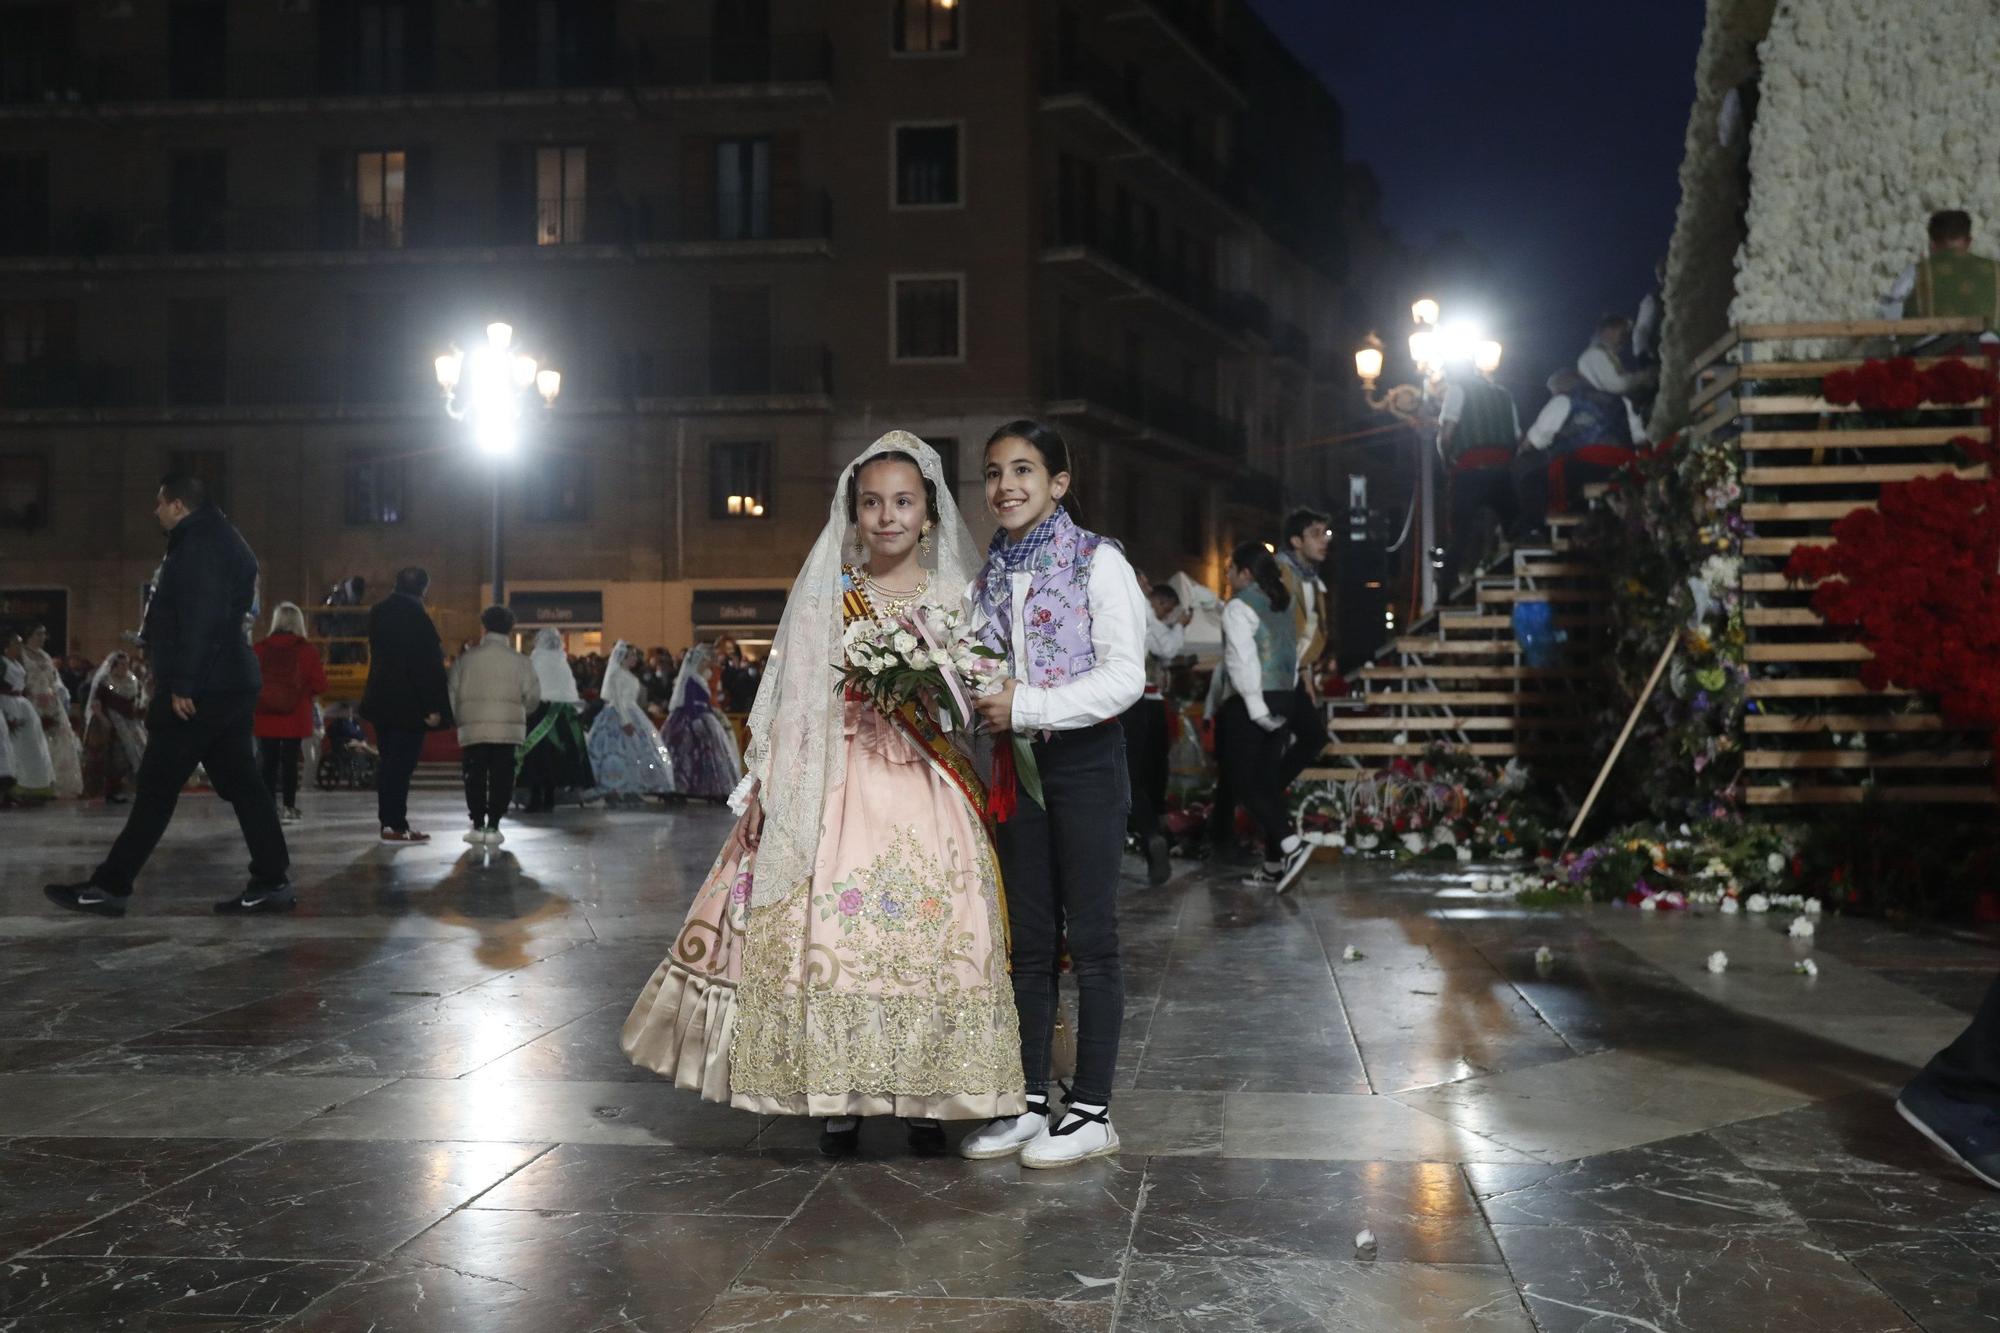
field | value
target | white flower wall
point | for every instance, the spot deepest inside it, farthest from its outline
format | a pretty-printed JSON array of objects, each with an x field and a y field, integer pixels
[{"x": 1872, "y": 114}]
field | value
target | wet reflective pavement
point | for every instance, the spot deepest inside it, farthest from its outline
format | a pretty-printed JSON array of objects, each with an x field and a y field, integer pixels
[{"x": 403, "y": 1107}]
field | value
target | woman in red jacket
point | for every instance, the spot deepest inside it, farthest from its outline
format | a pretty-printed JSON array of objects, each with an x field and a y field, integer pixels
[{"x": 293, "y": 679}]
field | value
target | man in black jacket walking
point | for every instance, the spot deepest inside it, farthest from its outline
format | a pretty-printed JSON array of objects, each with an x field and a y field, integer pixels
[
  {"x": 406, "y": 695},
  {"x": 205, "y": 684}
]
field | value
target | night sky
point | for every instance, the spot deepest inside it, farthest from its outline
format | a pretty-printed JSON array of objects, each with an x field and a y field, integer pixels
[{"x": 1548, "y": 132}]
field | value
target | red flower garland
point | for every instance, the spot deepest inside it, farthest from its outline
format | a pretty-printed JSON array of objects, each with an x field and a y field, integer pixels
[{"x": 1897, "y": 385}]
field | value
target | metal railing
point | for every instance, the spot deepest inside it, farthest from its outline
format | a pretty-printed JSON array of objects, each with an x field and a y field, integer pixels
[
  {"x": 1081, "y": 73},
  {"x": 1079, "y": 375},
  {"x": 1155, "y": 265}
]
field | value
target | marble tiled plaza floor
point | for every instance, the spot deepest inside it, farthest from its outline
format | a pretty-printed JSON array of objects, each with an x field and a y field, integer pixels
[{"x": 404, "y": 1108}]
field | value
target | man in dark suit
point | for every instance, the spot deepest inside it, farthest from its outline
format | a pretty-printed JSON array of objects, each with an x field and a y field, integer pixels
[
  {"x": 205, "y": 685},
  {"x": 406, "y": 695}
]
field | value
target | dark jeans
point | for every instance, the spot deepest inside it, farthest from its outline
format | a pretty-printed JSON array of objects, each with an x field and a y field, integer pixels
[
  {"x": 489, "y": 782},
  {"x": 1969, "y": 1069},
  {"x": 1060, "y": 866},
  {"x": 280, "y": 755},
  {"x": 1145, "y": 727},
  {"x": 1250, "y": 757},
  {"x": 1308, "y": 740},
  {"x": 218, "y": 738},
  {"x": 1531, "y": 484},
  {"x": 399, "y": 751},
  {"x": 1473, "y": 490}
]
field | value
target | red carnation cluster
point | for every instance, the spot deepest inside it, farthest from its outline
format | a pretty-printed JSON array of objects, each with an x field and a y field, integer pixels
[
  {"x": 1897, "y": 385},
  {"x": 1919, "y": 578}
]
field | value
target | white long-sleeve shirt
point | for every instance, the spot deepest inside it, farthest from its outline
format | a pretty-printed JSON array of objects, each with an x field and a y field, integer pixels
[
  {"x": 1117, "y": 678},
  {"x": 1600, "y": 370},
  {"x": 1542, "y": 433},
  {"x": 1898, "y": 294},
  {"x": 1164, "y": 642},
  {"x": 1240, "y": 663}
]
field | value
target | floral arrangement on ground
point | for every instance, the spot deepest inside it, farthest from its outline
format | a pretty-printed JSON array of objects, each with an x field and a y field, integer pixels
[{"x": 1446, "y": 804}]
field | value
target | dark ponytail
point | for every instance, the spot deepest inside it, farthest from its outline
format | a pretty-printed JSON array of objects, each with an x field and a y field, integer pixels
[
  {"x": 1049, "y": 443},
  {"x": 1255, "y": 560}
]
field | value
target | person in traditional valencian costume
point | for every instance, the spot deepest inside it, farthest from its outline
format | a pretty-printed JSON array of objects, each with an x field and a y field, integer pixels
[
  {"x": 50, "y": 697},
  {"x": 627, "y": 756},
  {"x": 696, "y": 733},
  {"x": 114, "y": 729},
  {"x": 1063, "y": 607},
  {"x": 846, "y": 955},
  {"x": 556, "y": 756}
]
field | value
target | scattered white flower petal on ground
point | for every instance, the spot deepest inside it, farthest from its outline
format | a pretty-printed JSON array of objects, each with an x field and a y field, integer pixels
[
  {"x": 1650, "y": 905},
  {"x": 1464, "y": 855},
  {"x": 1758, "y": 903},
  {"x": 1802, "y": 928},
  {"x": 1814, "y": 907},
  {"x": 1364, "y": 1243},
  {"x": 1351, "y": 955},
  {"x": 1718, "y": 961},
  {"x": 1545, "y": 958},
  {"x": 1730, "y": 907},
  {"x": 1806, "y": 967},
  {"x": 1775, "y": 863}
]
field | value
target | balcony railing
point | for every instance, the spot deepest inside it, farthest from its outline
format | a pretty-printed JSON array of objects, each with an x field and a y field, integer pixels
[
  {"x": 800, "y": 214},
  {"x": 251, "y": 75},
  {"x": 730, "y": 371},
  {"x": 1078, "y": 375},
  {"x": 760, "y": 215},
  {"x": 1082, "y": 74},
  {"x": 1155, "y": 265}
]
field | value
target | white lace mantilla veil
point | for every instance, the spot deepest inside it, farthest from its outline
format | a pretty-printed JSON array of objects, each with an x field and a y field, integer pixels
[
  {"x": 693, "y": 666},
  {"x": 797, "y": 713},
  {"x": 552, "y": 670},
  {"x": 619, "y": 677}
]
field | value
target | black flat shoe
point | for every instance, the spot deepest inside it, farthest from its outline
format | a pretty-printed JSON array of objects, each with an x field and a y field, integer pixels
[
  {"x": 259, "y": 898},
  {"x": 84, "y": 897},
  {"x": 926, "y": 1138},
  {"x": 840, "y": 1142}
]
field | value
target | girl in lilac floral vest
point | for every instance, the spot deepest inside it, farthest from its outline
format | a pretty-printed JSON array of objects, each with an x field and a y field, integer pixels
[{"x": 1065, "y": 609}]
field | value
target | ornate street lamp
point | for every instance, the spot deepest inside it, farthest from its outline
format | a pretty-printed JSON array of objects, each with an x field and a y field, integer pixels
[{"x": 488, "y": 391}]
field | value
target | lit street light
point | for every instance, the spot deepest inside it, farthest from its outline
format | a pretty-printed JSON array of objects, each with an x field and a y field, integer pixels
[{"x": 487, "y": 391}]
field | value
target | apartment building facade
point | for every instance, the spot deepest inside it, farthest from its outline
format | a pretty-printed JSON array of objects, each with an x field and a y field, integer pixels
[{"x": 751, "y": 235}]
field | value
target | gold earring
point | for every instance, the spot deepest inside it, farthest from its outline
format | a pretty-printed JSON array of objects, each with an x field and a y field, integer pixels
[{"x": 924, "y": 542}]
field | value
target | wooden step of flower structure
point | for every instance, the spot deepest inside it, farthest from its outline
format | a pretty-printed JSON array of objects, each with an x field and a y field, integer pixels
[
  {"x": 1491, "y": 596},
  {"x": 1926, "y": 795},
  {"x": 1336, "y": 774},
  {"x": 1470, "y": 699},
  {"x": 1780, "y": 724},
  {"x": 1888, "y": 437},
  {"x": 1473, "y": 671},
  {"x": 1803, "y": 511},
  {"x": 1783, "y": 617},
  {"x": 1817, "y": 687},
  {"x": 1789, "y": 760},
  {"x": 1765, "y": 582},
  {"x": 1792, "y": 405},
  {"x": 1474, "y": 723},
  {"x": 1478, "y": 749},
  {"x": 1777, "y": 547},
  {"x": 1807, "y": 652},
  {"x": 1461, "y": 647},
  {"x": 1547, "y": 569},
  {"x": 1461, "y": 623},
  {"x": 1854, "y": 474}
]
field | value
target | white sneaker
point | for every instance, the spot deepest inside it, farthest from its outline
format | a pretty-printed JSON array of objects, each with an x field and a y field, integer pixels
[
  {"x": 1006, "y": 1136},
  {"x": 494, "y": 837},
  {"x": 476, "y": 836},
  {"x": 289, "y": 815},
  {"x": 1085, "y": 1132}
]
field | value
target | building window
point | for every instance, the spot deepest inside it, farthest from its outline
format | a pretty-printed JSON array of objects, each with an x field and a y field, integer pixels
[
  {"x": 24, "y": 491},
  {"x": 559, "y": 489},
  {"x": 739, "y": 479},
  {"x": 929, "y": 317},
  {"x": 377, "y": 488},
  {"x": 742, "y": 189},
  {"x": 927, "y": 166},
  {"x": 380, "y": 179},
  {"x": 211, "y": 465},
  {"x": 197, "y": 48},
  {"x": 37, "y": 353},
  {"x": 924, "y": 27},
  {"x": 559, "y": 188}
]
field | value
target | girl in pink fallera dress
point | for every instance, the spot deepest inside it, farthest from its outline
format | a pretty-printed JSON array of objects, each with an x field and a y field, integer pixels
[{"x": 846, "y": 955}]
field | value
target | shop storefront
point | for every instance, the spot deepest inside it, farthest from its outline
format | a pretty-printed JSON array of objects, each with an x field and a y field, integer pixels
[
  {"x": 577, "y": 616},
  {"x": 748, "y": 615}
]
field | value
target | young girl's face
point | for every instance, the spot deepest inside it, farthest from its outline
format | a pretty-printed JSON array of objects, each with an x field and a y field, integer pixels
[
  {"x": 890, "y": 507},
  {"x": 1019, "y": 489}
]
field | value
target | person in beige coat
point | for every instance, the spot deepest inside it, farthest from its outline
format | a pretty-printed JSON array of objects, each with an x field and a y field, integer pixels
[{"x": 493, "y": 689}]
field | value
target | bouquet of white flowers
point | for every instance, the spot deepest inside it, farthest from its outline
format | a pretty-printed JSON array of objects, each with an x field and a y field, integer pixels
[{"x": 923, "y": 655}]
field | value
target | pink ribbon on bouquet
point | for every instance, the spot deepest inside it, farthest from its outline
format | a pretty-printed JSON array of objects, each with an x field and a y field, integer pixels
[{"x": 946, "y": 667}]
